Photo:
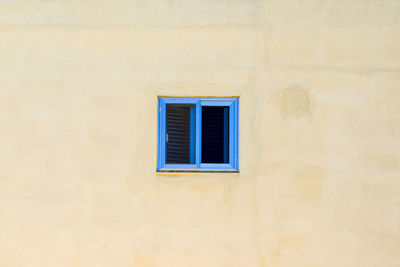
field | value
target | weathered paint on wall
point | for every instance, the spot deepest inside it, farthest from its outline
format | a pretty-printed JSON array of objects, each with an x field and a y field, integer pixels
[{"x": 319, "y": 133}]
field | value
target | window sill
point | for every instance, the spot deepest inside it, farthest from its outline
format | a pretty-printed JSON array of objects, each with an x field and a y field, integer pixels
[
  {"x": 196, "y": 173},
  {"x": 205, "y": 168}
]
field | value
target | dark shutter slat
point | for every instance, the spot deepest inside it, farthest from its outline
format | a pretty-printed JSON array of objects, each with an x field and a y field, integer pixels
[{"x": 178, "y": 130}]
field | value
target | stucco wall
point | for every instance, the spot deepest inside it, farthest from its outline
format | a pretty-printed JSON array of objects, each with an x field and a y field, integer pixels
[{"x": 319, "y": 86}]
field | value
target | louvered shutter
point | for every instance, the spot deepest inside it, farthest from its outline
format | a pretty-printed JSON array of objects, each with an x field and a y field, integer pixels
[{"x": 178, "y": 134}]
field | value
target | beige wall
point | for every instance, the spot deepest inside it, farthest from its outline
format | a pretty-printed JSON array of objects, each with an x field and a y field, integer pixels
[{"x": 319, "y": 86}]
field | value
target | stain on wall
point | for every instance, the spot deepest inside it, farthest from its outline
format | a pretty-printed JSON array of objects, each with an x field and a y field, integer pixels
[
  {"x": 295, "y": 102},
  {"x": 380, "y": 160},
  {"x": 145, "y": 260},
  {"x": 306, "y": 182}
]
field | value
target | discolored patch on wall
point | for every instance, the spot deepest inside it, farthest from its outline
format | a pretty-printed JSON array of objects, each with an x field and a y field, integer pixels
[
  {"x": 295, "y": 102},
  {"x": 380, "y": 160},
  {"x": 143, "y": 260},
  {"x": 306, "y": 183},
  {"x": 287, "y": 244}
]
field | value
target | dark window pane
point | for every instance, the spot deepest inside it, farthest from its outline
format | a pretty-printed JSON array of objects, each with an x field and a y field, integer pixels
[
  {"x": 215, "y": 134},
  {"x": 179, "y": 142}
]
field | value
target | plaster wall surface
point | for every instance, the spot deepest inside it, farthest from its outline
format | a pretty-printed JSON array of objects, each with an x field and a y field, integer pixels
[{"x": 319, "y": 126}]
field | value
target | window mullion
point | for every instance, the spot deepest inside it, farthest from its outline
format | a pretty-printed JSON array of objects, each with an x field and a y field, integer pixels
[{"x": 198, "y": 134}]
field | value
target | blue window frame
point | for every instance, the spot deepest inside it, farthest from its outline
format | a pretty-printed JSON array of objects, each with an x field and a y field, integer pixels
[{"x": 197, "y": 134}]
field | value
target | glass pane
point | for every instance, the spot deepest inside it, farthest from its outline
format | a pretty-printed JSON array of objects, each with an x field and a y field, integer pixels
[{"x": 215, "y": 134}]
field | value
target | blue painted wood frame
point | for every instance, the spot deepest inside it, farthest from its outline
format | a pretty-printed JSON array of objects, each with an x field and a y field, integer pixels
[{"x": 231, "y": 102}]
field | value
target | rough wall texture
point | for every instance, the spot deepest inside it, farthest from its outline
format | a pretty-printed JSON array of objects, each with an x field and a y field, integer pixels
[{"x": 319, "y": 86}]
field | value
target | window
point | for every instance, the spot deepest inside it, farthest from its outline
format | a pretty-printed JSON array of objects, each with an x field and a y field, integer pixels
[{"x": 198, "y": 134}]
